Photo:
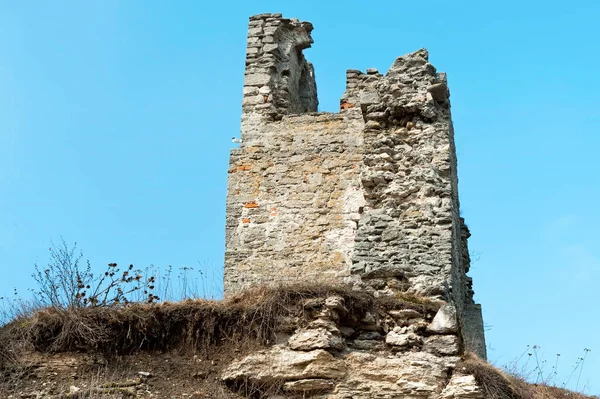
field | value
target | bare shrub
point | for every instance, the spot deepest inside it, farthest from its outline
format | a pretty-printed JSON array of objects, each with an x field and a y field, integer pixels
[
  {"x": 66, "y": 283},
  {"x": 248, "y": 317},
  {"x": 533, "y": 367},
  {"x": 498, "y": 385}
]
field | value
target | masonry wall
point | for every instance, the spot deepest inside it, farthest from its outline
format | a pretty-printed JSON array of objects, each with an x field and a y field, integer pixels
[
  {"x": 293, "y": 203},
  {"x": 368, "y": 196}
]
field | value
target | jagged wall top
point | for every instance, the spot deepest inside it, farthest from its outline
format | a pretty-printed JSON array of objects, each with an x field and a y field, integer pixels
[
  {"x": 410, "y": 88},
  {"x": 278, "y": 79},
  {"x": 367, "y": 196}
]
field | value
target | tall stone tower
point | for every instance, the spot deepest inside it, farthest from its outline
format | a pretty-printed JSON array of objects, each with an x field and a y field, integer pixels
[{"x": 367, "y": 196}]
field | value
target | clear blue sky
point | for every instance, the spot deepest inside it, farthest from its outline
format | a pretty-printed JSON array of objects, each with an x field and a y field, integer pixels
[{"x": 116, "y": 119}]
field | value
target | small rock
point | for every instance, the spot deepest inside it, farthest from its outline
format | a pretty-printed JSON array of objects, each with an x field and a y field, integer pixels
[
  {"x": 367, "y": 345},
  {"x": 346, "y": 331},
  {"x": 439, "y": 91},
  {"x": 445, "y": 321},
  {"x": 372, "y": 125},
  {"x": 372, "y": 71},
  {"x": 336, "y": 303},
  {"x": 405, "y": 314},
  {"x": 73, "y": 389},
  {"x": 319, "y": 338},
  {"x": 412, "y": 328},
  {"x": 145, "y": 374},
  {"x": 368, "y": 318},
  {"x": 398, "y": 339}
]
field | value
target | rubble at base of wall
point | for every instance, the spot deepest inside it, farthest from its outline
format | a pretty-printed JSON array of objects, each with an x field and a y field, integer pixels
[{"x": 397, "y": 353}]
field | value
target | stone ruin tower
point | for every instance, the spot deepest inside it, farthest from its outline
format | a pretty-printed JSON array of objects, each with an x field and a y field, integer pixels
[{"x": 366, "y": 196}]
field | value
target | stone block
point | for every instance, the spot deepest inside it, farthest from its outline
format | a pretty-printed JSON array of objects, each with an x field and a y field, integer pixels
[
  {"x": 270, "y": 47},
  {"x": 255, "y": 31},
  {"x": 367, "y": 98},
  {"x": 439, "y": 92},
  {"x": 445, "y": 345},
  {"x": 320, "y": 338},
  {"x": 278, "y": 365},
  {"x": 445, "y": 321},
  {"x": 399, "y": 339},
  {"x": 462, "y": 387},
  {"x": 257, "y": 79}
]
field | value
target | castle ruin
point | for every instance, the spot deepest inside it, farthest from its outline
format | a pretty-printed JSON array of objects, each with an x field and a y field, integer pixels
[{"x": 367, "y": 196}]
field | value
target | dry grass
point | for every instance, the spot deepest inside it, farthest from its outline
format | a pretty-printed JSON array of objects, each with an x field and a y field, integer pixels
[
  {"x": 498, "y": 385},
  {"x": 217, "y": 331},
  {"x": 214, "y": 331},
  {"x": 494, "y": 383},
  {"x": 199, "y": 324}
]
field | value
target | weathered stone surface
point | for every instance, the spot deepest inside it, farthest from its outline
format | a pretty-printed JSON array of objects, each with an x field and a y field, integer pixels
[
  {"x": 396, "y": 339},
  {"x": 367, "y": 344},
  {"x": 368, "y": 97},
  {"x": 270, "y": 47},
  {"x": 336, "y": 361},
  {"x": 462, "y": 387},
  {"x": 439, "y": 91},
  {"x": 402, "y": 339},
  {"x": 370, "y": 335},
  {"x": 257, "y": 79},
  {"x": 445, "y": 321},
  {"x": 303, "y": 228},
  {"x": 411, "y": 375},
  {"x": 325, "y": 323},
  {"x": 346, "y": 331},
  {"x": 278, "y": 365},
  {"x": 405, "y": 314},
  {"x": 368, "y": 196},
  {"x": 336, "y": 303},
  {"x": 472, "y": 330},
  {"x": 309, "y": 385},
  {"x": 446, "y": 345},
  {"x": 320, "y": 338}
]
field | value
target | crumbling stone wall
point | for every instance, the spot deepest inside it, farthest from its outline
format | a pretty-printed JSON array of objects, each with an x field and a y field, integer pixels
[
  {"x": 330, "y": 352},
  {"x": 367, "y": 196}
]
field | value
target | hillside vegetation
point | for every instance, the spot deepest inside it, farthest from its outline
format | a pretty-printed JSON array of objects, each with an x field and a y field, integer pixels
[{"x": 165, "y": 350}]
